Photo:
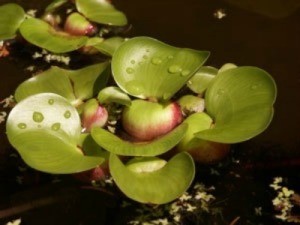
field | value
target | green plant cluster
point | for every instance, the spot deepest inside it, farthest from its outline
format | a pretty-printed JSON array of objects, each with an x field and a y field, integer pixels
[{"x": 47, "y": 126}]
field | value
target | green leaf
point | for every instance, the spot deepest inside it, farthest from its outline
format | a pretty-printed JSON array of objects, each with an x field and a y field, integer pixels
[
  {"x": 75, "y": 85},
  {"x": 202, "y": 79},
  {"x": 101, "y": 12},
  {"x": 113, "y": 95},
  {"x": 116, "y": 145},
  {"x": 53, "y": 80},
  {"x": 54, "y": 5},
  {"x": 241, "y": 104},
  {"x": 41, "y": 34},
  {"x": 90, "y": 147},
  {"x": 89, "y": 80},
  {"x": 196, "y": 123},
  {"x": 147, "y": 68},
  {"x": 109, "y": 46},
  {"x": 11, "y": 17},
  {"x": 45, "y": 129},
  {"x": 158, "y": 187}
]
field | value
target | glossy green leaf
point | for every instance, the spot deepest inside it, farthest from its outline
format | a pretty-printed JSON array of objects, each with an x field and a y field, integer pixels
[
  {"x": 109, "y": 46},
  {"x": 41, "y": 34},
  {"x": 157, "y": 187},
  {"x": 53, "y": 80},
  {"x": 75, "y": 85},
  {"x": 147, "y": 68},
  {"x": 11, "y": 17},
  {"x": 241, "y": 104},
  {"x": 202, "y": 79},
  {"x": 101, "y": 12},
  {"x": 89, "y": 80},
  {"x": 90, "y": 147},
  {"x": 45, "y": 129},
  {"x": 196, "y": 123},
  {"x": 55, "y": 5},
  {"x": 116, "y": 145},
  {"x": 113, "y": 95}
]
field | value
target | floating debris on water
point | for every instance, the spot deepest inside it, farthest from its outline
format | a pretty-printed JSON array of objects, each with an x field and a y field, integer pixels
[{"x": 220, "y": 14}]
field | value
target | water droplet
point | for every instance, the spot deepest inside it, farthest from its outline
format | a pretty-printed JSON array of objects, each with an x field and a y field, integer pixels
[
  {"x": 51, "y": 101},
  {"x": 170, "y": 57},
  {"x": 145, "y": 57},
  {"x": 67, "y": 114},
  {"x": 22, "y": 125},
  {"x": 156, "y": 61},
  {"x": 255, "y": 86},
  {"x": 132, "y": 61},
  {"x": 55, "y": 126},
  {"x": 174, "y": 69},
  {"x": 39, "y": 126},
  {"x": 220, "y": 92},
  {"x": 185, "y": 73},
  {"x": 134, "y": 87},
  {"x": 140, "y": 63},
  {"x": 190, "y": 82},
  {"x": 147, "y": 50},
  {"x": 129, "y": 70},
  {"x": 38, "y": 117}
]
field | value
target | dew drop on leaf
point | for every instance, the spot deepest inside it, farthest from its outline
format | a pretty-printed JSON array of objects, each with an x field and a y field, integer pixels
[
  {"x": 129, "y": 70},
  {"x": 185, "y": 73},
  {"x": 67, "y": 114},
  {"x": 22, "y": 125},
  {"x": 55, "y": 126},
  {"x": 220, "y": 92},
  {"x": 156, "y": 61},
  {"x": 38, "y": 117},
  {"x": 132, "y": 61},
  {"x": 174, "y": 69},
  {"x": 51, "y": 101}
]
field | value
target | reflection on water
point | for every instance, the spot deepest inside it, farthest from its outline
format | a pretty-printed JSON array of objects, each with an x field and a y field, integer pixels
[{"x": 241, "y": 37}]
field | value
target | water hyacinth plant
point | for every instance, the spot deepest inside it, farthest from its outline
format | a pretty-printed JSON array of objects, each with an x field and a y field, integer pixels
[{"x": 67, "y": 121}]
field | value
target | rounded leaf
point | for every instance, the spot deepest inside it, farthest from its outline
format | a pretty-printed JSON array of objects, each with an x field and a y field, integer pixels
[
  {"x": 88, "y": 81},
  {"x": 147, "y": 68},
  {"x": 45, "y": 129},
  {"x": 55, "y": 5},
  {"x": 43, "y": 35},
  {"x": 158, "y": 187},
  {"x": 241, "y": 103},
  {"x": 116, "y": 145},
  {"x": 53, "y": 80},
  {"x": 101, "y": 12},
  {"x": 109, "y": 46},
  {"x": 113, "y": 95},
  {"x": 11, "y": 17},
  {"x": 202, "y": 79}
]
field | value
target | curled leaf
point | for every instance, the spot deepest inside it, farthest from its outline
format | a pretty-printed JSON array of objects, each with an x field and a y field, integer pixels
[
  {"x": 11, "y": 17},
  {"x": 43, "y": 35},
  {"x": 101, "y": 12},
  {"x": 147, "y": 68},
  {"x": 241, "y": 103},
  {"x": 157, "y": 187},
  {"x": 116, "y": 145},
  {"x": 45, "y": 129},
  {"x": 113, "y": 95}
]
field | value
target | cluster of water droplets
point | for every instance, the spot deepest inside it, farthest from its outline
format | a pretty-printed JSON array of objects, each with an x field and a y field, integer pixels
[
  {"x": 38, "y": 118},
  {"x": 156, "y": 61}
]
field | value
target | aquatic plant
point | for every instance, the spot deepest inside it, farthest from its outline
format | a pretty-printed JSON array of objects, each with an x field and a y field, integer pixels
[{"x": 69, "y": 121}]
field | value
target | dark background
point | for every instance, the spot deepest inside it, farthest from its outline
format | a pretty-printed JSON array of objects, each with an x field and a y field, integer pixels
[{"x": 260, "y": 33}]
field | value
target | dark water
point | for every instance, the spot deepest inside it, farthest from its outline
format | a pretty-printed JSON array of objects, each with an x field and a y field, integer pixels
[{"x": 261, "y": 33}]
